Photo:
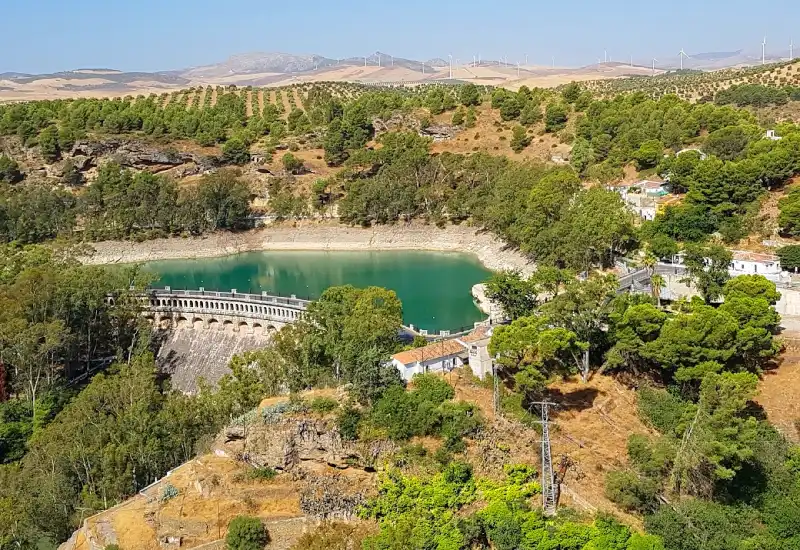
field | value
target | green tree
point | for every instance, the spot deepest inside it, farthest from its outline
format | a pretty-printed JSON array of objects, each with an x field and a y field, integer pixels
[
  {"x": 235, "y": 151},
  {"x": 519, "y": 139},
  {"x": 334, "y": 145},
  {"x": 471, "y": 118},
  {"x": 9, "y": 170},
  {"x": 790, "y": 257},
  {"x": 458, "y": 117},
  {"x": 531, "y": 114},
  {"x": 469, "y": 95},
  {"x": 630, "y": 332},
  {"x": 692, "y": 344},
  {"x": 571, "y": 92},
  {"x": 649, "y": 154},
  {"x": 582, "y": 155},
  {"x": 584, "y": 308},
  {"x": 707, "y": 268},
  {"x": 246, "y": 533},
  {"x": 292, "y": 164},
  {"x": 730, "y": 142},
  {"x": 555, "y": 117},
  {"x": 48, "y": 144},
  {"x": 789, "y": 212},
  {"x": 516, "y": 295},
  {"x": 225, "y": 198},
  {"x": 534, "y": 352},
  {"x": 510, "y": 109}
]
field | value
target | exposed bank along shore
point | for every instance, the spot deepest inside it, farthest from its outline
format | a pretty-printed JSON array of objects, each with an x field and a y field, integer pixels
[{"x": 491, "y": 251}]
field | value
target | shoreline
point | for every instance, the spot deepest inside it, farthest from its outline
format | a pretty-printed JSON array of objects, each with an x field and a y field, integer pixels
[{"x": 492, "y": 252}]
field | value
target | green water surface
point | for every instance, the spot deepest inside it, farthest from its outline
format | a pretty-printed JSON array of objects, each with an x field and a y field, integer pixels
[{"x": 434, "y": 287}]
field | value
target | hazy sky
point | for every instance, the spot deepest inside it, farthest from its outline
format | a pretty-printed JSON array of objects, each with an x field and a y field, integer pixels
[{"x": 52, "y": 35}]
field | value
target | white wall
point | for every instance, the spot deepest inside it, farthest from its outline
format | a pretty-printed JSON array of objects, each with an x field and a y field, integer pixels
[{"x": 438, "y": 365}]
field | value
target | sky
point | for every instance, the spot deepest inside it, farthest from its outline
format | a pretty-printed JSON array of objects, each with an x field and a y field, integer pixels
[{"x": 41, "y": 36}]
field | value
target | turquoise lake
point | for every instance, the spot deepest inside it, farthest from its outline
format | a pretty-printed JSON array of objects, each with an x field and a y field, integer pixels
[{"x": 434, "y": 287}]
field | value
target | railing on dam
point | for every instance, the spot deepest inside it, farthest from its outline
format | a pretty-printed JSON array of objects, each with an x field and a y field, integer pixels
[{"x": 234, "y": 304}]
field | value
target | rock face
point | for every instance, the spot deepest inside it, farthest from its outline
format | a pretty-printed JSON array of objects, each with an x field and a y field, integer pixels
[
  {"x": 284, "y": 442},
  {"x": 134, "y": 154}
]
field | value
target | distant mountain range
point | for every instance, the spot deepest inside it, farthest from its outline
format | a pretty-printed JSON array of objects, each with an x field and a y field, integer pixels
[{"x": 273, "y": 68}]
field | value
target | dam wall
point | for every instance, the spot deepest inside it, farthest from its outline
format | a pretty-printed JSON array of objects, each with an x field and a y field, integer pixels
[{"x": 188, "y": 354}]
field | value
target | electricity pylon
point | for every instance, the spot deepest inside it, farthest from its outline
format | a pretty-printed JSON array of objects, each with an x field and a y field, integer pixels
[{"x": 549, "y": 490}]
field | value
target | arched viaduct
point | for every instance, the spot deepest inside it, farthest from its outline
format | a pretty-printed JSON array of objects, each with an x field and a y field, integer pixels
[{"x": 232, "y": 311}]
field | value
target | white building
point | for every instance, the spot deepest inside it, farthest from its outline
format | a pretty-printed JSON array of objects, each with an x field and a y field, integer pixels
[
  {"x": 753, "y": 263},
  {"x": 445, "y": 355},
  {"x": 642, "y": 196},
  {"x": 772, "y": 135},
  {"x": 439, "y": 357}
]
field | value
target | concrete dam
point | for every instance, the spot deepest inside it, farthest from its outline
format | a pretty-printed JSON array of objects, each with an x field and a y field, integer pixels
[{"x": 198, "y": 332}]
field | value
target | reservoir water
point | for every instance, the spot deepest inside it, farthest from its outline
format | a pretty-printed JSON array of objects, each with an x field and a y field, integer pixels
[{"x": 434, "y": 287}]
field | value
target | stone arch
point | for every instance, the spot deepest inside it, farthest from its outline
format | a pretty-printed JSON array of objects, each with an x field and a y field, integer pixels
[
  {"x": 182, "y": 322},
  {"x": 258, "y": 328},
  {"x": 213, "y": 324},
  {"x": 271, "y": 329},
  {"x": 197, "y": 323},
  {"x": 227, "y": 325},
  {"x": 243, "y": 326}
]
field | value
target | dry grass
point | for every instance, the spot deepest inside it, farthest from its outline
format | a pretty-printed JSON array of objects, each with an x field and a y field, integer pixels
[
  {"x": 591, "y": 427},
  {"x": 492, "y": 135},
  {"x": 779, "y": 389}
]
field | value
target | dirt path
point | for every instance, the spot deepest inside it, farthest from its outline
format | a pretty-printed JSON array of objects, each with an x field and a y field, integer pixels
[
  {"x": 260, "y": 102},
  {"x": 249, "y": 103}
]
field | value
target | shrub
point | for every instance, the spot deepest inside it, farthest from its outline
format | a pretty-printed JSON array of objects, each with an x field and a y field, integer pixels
[
  {"x": 348, "y": 422},
  {"x": 246, "y": 533},
  {"x": 292, "y": 164},
  {"x": 265, "y": 473},
  {"x": 168, "y": 492},
  {"x": 631, "y": 491},
  {"x": 323, "y": 405},
  {"x": 429, "y": 387},
  {"x": 661, "y": 410}
]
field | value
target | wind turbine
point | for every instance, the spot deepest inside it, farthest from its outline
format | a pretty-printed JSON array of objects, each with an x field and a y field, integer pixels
[
  {"x": 451, "y": 66},
  {"x": 764, "y": 51},
  {"x": 791, "y": 50},
  {"x": 605, "y": 56},
  {"x": 654, "y": 66},
  {"x": 517, "y": 69},
  {"x": 682, "y": 54}
]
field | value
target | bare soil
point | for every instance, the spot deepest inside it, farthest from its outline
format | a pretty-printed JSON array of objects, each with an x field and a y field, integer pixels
[{"x": 780, "y": 387}]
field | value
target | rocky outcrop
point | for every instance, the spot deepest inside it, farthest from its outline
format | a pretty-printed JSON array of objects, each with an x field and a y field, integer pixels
[
  {"x": 138, "y": 155},
  {"x": 282, "y": 441}
]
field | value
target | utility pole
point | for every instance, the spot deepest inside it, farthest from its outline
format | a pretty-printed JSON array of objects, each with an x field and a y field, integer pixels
[{"x": 549, "y": 490}]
